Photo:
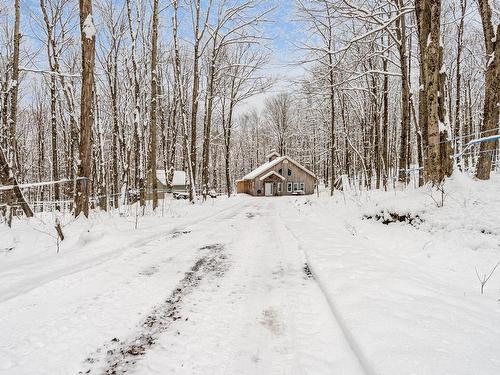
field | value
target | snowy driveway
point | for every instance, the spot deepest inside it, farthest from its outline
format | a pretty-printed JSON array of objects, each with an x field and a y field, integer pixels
[
  {"x": 248, "y": 286},
  {"x": 264, "y": 314}
]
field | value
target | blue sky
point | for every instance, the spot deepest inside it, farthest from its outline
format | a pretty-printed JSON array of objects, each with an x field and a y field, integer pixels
[
  {"x": 281, "y": 30},
  {"x": 285, "y": 33}
]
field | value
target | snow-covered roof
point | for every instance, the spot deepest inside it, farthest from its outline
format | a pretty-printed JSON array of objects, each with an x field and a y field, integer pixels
[
  {"x": 178, "y": 179},
  {"x": 270, "y": 174},
  {"x": 264, "y": 167}
]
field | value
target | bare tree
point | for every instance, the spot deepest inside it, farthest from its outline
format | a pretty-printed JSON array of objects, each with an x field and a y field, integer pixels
[
  {"x": 405, "y": 90},
  {"x": 458, "y": 75},
  {"x": 7, "y": 172},
  {"x": 50, "y": 21},
  {"x": 278, "y": 111},
  {"x": 240, "y": 83},
  {"x": 113, "y": 30},
  {"x": 179, "y": 86},
  {"x": 15, "y": 83},
  {"x": 234, "y": 23},
  {"x": 87, "y": 31},
  {"x": 491, "y": 90},
  {"x": 438, "y": 163},
  {"x": 154, "y": 91},
  {"x": 198, "y": 50}
]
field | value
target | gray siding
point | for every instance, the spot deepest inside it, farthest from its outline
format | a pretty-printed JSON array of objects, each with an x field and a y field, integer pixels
[{"x": 298, "y": 176}]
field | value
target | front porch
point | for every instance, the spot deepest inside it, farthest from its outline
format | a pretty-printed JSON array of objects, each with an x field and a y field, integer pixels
[{"x": 272, "y": 184}]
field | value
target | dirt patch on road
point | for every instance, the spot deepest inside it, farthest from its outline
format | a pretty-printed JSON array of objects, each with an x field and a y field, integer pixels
[
  {"x": 307, "y": 271},
  {"x": 120, "y": 356},
  {"x": 180, "y": 233},
  {"x": 150, "y": 271},
  {"x": 251, "y": 215},
  {"x": 271, "y": 320}
]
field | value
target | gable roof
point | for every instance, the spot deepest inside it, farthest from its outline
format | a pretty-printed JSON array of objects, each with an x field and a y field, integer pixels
[
  {"x": 270, "y": 174},
  {"x": 266, "y": 166}
]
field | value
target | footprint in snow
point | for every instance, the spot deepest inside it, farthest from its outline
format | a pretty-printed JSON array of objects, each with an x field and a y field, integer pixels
[
  {"x": 149, "y": 271},
  {"x": 271, "y": 320}
]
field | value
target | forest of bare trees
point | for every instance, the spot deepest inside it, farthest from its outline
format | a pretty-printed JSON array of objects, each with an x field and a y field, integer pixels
[{"x": 97, "y": 96}]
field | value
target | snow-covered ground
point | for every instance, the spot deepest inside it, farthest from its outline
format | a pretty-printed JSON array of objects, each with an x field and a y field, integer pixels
[{"x": 292, "y": 285}]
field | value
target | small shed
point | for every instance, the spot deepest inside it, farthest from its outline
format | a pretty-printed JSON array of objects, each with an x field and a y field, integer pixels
[
  {"x": 280, "y": 175},
  {"x": 177, "y": 184},
  {"x": 179, "y": 181}
]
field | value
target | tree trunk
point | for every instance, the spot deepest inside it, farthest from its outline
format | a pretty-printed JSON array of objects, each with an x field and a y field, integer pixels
[
  {"x": 115, "y": 140},
  {"x": 385, "y": 124},
  {"x": 86, "y": 114},
  {"x": 15, "y": 85},
  {"x": 332, "y": 142},
  {"x": 196, "y": 86},
  {"x": 208, "y": 122},
  {"x": 154, "y": 85},
  {"x": 227, "y": 145},
  {"x": 405, "y": 96},
  {"x": 53, "y": 137},
  {"x": 180, "y": 94},
  {"x": 491, "y": 91},
  {"x": 438, "y": 152},
  {"x": 458, "y": 79},
  {"x": 7, "y": 172}
]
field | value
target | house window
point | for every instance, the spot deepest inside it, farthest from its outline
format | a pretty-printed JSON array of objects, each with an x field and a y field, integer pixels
[
  {"x": 289, "y": 172},
  {"x": 279, "y": 187},
  {"x": 280, "y": 171},
  {"x": 295, "y": 186},
  {"x": 289, "y": 187},
  {"x": 302, "y": 186}
]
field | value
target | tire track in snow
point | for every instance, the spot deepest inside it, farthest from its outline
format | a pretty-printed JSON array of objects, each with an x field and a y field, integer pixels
[
  {"x": 120, "y": 357},
  {"x": 42, "y": 280},
  {"x": 365, "y": 364}
]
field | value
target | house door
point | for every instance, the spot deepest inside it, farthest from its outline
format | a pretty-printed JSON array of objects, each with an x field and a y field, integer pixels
[{"x": 269, "y": 189}]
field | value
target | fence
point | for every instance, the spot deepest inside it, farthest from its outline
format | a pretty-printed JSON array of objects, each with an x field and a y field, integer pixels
[{"x": 40, "y": 197}]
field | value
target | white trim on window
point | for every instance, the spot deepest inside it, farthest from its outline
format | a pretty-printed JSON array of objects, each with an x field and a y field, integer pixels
[
  {"x": 295, "y": 186},
  {"x": 289, "y": 187},
  {"x": 302, "y": 186}
]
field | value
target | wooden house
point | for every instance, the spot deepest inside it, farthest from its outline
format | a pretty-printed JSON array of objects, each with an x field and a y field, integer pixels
[{"x": 280, "y": 175}]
